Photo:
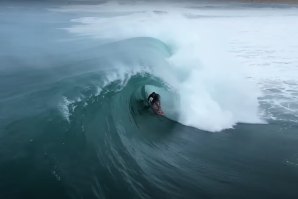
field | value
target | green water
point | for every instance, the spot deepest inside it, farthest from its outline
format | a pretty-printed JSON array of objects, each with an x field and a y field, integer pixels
[{"x": 72, "y": 128}]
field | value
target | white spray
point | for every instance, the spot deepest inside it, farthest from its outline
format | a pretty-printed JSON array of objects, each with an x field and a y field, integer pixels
[{"x": 213, "y": 93}]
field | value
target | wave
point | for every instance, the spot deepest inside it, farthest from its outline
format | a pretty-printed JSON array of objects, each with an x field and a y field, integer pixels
[
  {"x": 201, "y": 97},
  {"x": 79, "y": 120}
]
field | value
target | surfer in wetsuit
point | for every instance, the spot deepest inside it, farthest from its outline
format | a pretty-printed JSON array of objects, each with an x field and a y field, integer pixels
[{"x": 155, "y": 99}]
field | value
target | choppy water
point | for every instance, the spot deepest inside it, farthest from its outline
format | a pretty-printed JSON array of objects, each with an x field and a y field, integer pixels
[{"x": 74, "y": 123}]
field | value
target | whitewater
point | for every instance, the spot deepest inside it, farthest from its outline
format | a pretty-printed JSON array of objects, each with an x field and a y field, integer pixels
[{"x": 208, "y": 72}]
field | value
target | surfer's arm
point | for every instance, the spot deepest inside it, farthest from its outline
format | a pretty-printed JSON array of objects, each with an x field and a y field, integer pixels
[{"x": 149, "y": 97}]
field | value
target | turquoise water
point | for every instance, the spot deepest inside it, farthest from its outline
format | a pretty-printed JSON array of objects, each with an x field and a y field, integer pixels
[{"x": 74, "y": 123}]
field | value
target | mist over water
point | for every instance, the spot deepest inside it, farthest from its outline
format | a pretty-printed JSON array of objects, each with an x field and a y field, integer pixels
[{"x": 74, "y": 121}]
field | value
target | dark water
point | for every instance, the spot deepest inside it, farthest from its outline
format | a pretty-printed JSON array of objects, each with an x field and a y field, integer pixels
[{"x": 72, "y": 127}]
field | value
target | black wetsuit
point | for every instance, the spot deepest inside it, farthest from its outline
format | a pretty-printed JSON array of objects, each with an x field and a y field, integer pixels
[{"x": 155, "y": 98}]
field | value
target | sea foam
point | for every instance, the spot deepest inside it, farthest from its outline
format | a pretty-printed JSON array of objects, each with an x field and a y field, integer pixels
[{"x": 212, "y": 90}]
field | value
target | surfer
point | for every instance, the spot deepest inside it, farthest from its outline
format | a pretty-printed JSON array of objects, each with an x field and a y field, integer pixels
[{"x": 155, "y": 101}]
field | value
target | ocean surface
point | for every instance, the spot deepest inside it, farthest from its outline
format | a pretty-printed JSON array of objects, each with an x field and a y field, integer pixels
[{"x": 74, "y": 122}]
